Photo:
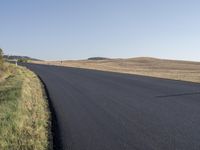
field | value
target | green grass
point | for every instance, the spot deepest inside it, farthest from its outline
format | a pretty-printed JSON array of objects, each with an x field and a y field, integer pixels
[{"x": 24, "y": 115}]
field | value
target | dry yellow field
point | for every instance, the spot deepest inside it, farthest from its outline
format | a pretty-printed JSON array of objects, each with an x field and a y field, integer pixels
[{"x": 169, "y": 69}]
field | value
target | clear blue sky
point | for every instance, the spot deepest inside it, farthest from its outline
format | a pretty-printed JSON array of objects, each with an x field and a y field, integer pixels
[{"x": 77, "y": 29}]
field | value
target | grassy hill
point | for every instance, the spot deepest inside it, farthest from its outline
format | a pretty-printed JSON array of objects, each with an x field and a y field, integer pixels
[{"x": 162, "y": 68}]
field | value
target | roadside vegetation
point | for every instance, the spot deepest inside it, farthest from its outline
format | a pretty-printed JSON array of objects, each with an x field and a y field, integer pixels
[
  {"x": 24, "y": 115},
  {"x": 23, "y": 60},
  {"x": 162, "y": 68},
  {"x": 1, "y": 58}
]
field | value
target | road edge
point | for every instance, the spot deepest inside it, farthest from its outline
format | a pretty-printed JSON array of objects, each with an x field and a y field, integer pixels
[{"x": 55, "y": 140}]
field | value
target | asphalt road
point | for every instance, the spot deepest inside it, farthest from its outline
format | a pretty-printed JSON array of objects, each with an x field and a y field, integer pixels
[{"x": 98, "y": 110}]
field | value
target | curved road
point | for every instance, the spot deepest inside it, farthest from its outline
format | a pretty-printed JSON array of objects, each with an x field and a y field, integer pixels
[{"x": 98, "y": 110}]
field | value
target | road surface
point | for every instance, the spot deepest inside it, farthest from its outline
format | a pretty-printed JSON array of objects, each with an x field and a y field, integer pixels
[{"x": 98, "y": 110}]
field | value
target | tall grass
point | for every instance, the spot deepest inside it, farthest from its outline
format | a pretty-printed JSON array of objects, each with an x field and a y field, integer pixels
[{"x": 24, "y": 115}]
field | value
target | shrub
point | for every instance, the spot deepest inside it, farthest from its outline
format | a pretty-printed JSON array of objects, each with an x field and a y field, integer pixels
[{"x": 23, "y": 60}]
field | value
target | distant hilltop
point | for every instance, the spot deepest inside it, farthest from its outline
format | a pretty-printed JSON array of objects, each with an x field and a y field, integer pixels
[
  {"x": 11, "y": 57},
  {"x": 98, "y": 58}
]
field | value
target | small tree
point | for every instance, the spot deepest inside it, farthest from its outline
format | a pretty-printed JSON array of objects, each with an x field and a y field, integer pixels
[{"x": 1, "y": 58}]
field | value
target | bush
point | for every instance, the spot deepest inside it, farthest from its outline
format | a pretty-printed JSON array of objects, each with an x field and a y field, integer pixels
[{"x": 23, "y": 60}]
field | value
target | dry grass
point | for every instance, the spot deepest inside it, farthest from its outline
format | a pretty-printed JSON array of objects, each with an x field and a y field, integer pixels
[
  {"x": 24, "y": 115},
  {"x": 4, "y": 70},
  {"x": 170, "y": 69}
]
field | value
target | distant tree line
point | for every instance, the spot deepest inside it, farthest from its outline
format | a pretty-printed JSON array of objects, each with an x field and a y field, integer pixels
[
  {"x": 98, "y": 58},
  {"x": 20, "y": 58}
]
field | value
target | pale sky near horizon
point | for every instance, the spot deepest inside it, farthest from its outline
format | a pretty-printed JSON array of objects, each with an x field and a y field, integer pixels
[{"x": 78, "y": 29}]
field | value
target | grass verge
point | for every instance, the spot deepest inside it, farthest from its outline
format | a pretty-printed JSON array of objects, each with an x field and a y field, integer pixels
[{"x": 24, "y": 114}]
